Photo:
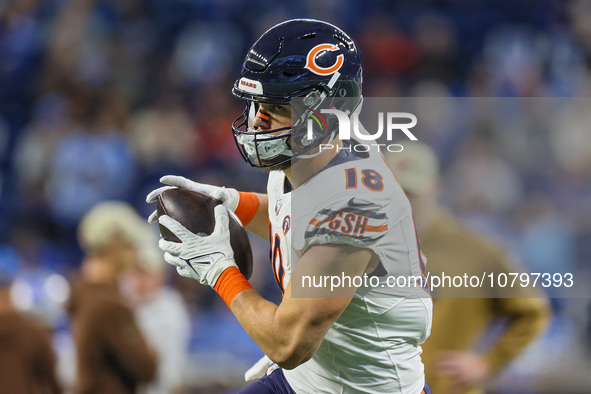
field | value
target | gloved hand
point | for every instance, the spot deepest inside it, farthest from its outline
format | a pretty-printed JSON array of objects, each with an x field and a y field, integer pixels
[
  {"x": 202, "y": 258},
  {"x": 229, "y": 197},
  {"x": 258, "y": 370}
]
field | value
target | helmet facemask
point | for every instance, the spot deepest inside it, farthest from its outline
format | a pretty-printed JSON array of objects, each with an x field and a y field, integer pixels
[
  {"x": 259, "y": 148},
  {"x": 277, "y": 146}
]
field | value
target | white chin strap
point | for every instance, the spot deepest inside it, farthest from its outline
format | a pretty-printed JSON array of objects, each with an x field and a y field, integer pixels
[{"x": 264, "y": 147}]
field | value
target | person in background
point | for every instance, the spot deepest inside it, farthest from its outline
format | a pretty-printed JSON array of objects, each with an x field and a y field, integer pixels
[
  {"x": 112, "y": 354},
  {"x": 452, "y": 365},
  {"x": 27, "y": 361},
  {"x": 160, "y": 309}
]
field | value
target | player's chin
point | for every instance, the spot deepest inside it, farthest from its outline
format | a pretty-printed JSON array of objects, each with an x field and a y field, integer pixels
[{"x": 268, "y": 165}]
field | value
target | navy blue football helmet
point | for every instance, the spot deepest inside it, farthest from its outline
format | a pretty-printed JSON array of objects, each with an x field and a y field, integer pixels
[{"x": 304, "y": 58}]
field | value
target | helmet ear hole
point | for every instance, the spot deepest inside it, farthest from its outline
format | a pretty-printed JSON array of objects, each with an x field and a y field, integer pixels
[
  {"x": 304, "y": 141},
  {"x": 307, "y": 142}
]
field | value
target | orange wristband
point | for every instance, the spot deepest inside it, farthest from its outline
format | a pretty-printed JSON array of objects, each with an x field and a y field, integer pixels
[
  {"x": 230, "y": 283},
  {"x": 248, "y": 205}
]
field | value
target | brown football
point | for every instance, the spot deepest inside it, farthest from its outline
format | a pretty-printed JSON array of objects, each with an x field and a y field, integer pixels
[{"x": 195, "y": 211}]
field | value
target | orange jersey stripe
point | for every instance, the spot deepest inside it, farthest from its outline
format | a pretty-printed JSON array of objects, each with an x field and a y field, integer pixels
[
  {"x": 316, "y": 222},
  {"x": 376, "y": 229}
]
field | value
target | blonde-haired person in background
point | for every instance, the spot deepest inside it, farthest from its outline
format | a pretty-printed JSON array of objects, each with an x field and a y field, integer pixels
[
  {"x": 451, "y": 363},
  {"x": 162, "y": 316},
  {"x": 112, "y": 354}
]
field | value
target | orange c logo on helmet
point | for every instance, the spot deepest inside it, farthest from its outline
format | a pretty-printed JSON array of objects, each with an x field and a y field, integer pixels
[{"x": 315, "y": 68}]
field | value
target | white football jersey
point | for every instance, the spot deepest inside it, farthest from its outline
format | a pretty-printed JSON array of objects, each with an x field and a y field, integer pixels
[{"x": 374, "y": 346}]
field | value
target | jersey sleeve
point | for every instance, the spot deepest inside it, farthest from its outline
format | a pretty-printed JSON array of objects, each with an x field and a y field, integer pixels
[{"x": 356, "y": 221}]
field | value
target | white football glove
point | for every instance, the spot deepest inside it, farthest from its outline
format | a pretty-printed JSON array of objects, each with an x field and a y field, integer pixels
[
  {"x": 229, "y": 197},
  {"x": 202, "y": 258},
  {"x": 258, "y": 370}
]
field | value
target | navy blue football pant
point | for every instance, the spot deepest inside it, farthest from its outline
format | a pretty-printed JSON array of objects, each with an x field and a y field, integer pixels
[{"x": 275, "y": 383}]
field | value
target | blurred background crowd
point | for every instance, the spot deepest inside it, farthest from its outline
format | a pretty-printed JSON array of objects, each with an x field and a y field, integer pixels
[{"x": 99, "y": 98}]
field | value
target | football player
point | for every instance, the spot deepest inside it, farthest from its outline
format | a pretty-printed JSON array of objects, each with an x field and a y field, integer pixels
[{"x": 331, "y": 213}]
